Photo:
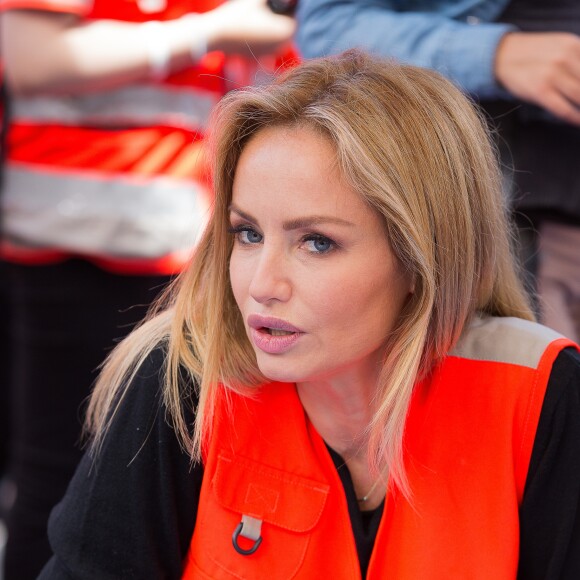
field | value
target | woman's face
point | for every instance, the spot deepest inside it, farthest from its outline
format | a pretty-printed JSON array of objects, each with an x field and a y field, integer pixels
[{"x": 312, "y": 270}]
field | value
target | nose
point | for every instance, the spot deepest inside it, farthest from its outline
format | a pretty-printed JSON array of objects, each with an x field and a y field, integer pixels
[{"x": 271, "y": 277}]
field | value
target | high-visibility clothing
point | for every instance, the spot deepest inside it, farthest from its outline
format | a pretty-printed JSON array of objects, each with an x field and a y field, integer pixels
[
  {"x": 269, "y": 478},
  {"x": 114, "y": 175}
]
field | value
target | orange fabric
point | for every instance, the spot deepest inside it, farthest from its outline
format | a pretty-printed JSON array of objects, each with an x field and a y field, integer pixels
[
  {"x": 129, "y": 10},
  {"x": 138, "y": 151},
  {"x": 126, "y": 10},
  {"x": 164, "y": 266},
  {"x": 469, "y": 436}
]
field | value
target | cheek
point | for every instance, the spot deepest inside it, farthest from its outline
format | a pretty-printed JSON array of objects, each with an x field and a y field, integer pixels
[
  {"x": 363, "y": 307},
  {"x": 346, "y": 301}
]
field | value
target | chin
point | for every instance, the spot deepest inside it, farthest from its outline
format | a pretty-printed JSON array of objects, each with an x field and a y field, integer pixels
[
  {"x": 279, "y": 370},
  {"x": 280, "y": 376}
]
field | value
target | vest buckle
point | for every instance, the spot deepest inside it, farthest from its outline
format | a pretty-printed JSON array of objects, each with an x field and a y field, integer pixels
[{"x": 249, "y": 528}]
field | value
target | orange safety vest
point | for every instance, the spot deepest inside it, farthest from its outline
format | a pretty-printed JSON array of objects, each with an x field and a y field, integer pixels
[
  {"x": 468, "y": 441},
  {"x": 114, "y": 175}
]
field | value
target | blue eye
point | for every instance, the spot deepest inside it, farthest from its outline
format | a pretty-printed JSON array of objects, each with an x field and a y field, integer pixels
[
  {"x": 319, "y": 244},
  {"x": 249, "y": 236},
  {"x": 246, "y": 235}
]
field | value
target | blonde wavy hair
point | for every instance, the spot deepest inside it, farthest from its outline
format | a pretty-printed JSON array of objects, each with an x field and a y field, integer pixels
[{"x": 416, "y": 150}]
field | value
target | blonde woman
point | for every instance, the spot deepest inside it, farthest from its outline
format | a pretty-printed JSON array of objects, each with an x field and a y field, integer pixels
[{"x": 347, "y": 382}]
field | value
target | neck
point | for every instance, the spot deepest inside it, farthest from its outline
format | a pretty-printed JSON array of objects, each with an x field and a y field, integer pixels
[{"x": 341, "y": 410}]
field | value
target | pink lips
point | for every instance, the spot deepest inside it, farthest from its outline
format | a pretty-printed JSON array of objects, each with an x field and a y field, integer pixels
[{"x": 260, "y": 327}]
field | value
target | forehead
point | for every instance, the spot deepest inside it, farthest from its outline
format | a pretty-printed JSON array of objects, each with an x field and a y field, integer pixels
[{"x": 294, "y": 170}]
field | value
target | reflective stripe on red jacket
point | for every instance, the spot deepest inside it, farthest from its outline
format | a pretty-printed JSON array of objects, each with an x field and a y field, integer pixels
[{"x": 468, "y": 441}]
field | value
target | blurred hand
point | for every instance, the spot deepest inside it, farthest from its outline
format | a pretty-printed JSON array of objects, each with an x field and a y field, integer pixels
[
  {"x": 248, "y": 27},
  {"x": 544, "y": 69}
]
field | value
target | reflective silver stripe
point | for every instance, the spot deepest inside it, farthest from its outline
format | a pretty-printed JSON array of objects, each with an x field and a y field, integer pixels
[
  {"x": 506, "y": 340},
  {"x": 140, "y": 105},
  {"x": 126, "y": 217}
]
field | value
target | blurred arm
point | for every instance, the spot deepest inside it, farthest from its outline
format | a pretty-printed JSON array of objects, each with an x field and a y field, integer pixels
[
  {"x": 462, "y": 52},
  {"x": 52, "y": 52},
  {"x": 486, "y": 59}
]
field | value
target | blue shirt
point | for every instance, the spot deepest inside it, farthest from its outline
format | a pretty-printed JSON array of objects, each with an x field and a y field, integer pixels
[{"x": 458, "y": 38}]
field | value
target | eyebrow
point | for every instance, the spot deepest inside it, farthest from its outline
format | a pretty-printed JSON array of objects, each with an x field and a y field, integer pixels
[{"x": 297, "y": 223}]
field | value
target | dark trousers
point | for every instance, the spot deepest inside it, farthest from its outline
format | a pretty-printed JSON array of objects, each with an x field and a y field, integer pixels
[{"x": 65, "y": 318}]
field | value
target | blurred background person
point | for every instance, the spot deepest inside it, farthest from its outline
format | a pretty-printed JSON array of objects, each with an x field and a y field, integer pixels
[
  {"x": 521, "y": 60},
  {"x": 102, "y": 199}
]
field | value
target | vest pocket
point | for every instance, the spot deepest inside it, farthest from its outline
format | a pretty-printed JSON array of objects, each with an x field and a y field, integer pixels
[{"x": 282, "y": 508}]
